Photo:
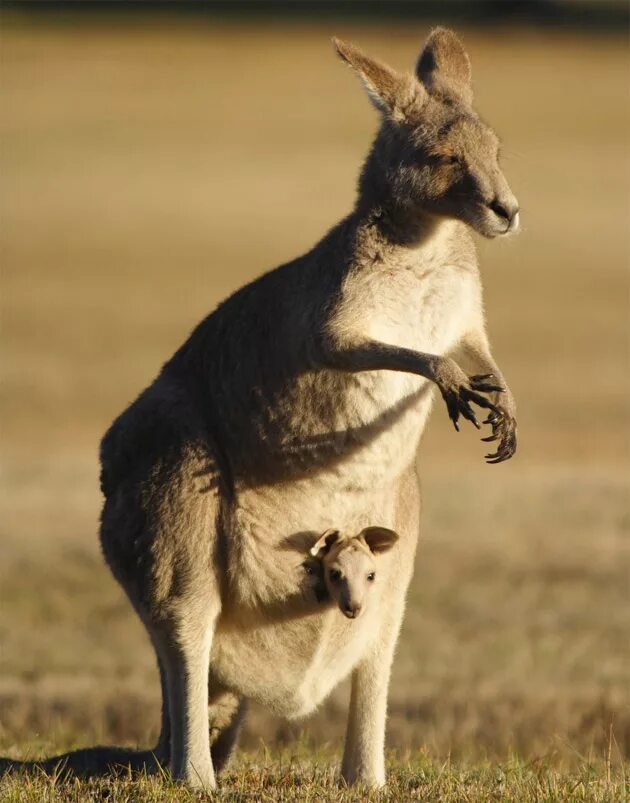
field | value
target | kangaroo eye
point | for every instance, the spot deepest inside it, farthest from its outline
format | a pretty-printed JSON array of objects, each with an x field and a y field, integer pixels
[
  {"x": 452, "y": 160},
  {"x": 335, "y": 575},
  {"x": 371, "y": 576}
]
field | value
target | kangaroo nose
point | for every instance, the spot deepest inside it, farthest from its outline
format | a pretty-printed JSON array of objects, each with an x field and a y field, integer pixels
[{"x": 507, "y": 210}]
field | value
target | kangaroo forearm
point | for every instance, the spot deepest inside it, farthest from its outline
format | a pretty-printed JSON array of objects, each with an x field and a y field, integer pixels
[
  {"x": 374, "y": 356},
  {"x": 476, "y": 349},
  {"x": 486, "y": 365}
]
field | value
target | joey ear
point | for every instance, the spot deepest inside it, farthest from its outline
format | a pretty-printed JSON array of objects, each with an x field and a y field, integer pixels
[
  {"x": 444, "y": 66},
  {"x": 379, "y": 539},
  {"x": 323, "y": 544},
  {"x": 393, "y": 93}
]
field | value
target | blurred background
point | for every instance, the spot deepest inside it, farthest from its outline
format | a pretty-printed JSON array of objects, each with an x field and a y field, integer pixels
[{"x": 156, "y": 157}]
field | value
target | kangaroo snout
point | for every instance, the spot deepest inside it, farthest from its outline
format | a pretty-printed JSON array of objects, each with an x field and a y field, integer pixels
[{"x": 507, "y": 210}]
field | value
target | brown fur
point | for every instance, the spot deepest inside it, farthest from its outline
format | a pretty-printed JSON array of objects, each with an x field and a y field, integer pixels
[{"x": 300, "y": 403}]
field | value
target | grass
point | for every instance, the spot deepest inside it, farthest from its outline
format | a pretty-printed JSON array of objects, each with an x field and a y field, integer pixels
[
  {"x": 145, "y": 177},
  {"x": 291, "y": 776}
]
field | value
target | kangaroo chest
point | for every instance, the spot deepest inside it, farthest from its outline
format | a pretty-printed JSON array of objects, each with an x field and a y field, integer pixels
[
  {"x": 424, "y": 300},
  {"x": 424, "y": 307}
]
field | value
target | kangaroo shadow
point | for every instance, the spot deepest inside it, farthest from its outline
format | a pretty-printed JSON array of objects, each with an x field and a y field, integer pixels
[
  {"x": 302, "y": 456},
  {"x": 90, "y": 762}
]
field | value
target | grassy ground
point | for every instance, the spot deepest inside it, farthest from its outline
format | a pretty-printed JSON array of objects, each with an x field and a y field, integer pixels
[
  {"x": 148, "y": 171},
  {"x": 290, "y": 776}
]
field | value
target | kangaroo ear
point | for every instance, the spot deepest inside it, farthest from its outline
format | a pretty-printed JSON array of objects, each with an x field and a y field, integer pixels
[
  {"x": 378, "y": 539},
  {"x": 444, "y": 66},
  {"x": 323, "y": 544},
  {"x": 393, "y": 93}
]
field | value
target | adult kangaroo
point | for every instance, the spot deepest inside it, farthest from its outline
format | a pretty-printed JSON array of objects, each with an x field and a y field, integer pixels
[{"x": 298, "y": 405}]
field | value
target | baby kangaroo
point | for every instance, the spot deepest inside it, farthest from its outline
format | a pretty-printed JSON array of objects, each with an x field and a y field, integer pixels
[{"x": 350, "y": 566}]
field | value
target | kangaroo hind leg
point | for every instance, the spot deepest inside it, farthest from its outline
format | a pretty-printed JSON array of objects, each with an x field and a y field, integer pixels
[
  {"x": 227, "y": 711},
  {"x": 184, "y": 643}
]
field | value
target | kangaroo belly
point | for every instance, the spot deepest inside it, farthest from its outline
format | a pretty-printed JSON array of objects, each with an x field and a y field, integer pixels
[{"x": 290, "y": 667}]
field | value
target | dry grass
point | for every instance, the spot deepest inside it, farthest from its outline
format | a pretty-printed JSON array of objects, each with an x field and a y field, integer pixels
[
  {"x": 145, "y": 177},
  {"x": 302, "y": 775}
]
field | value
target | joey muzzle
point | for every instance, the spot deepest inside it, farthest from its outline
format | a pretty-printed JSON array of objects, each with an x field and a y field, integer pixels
[{"x": 351, "y": 609}]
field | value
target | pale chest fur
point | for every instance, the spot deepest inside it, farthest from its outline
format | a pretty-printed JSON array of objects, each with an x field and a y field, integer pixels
[{"x": 425, "y": 300}]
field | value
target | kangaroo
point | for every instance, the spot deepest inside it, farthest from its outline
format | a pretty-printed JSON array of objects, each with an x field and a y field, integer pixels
[
  {"x": 299, "y": 402},
  {"x": 349, "y": 566}
]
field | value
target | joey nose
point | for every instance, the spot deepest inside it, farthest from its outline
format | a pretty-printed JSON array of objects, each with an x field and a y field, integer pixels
[{"x": 352, "y": 610}]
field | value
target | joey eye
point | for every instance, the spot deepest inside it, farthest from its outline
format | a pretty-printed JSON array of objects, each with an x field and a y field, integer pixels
[
  {"x": 335, "y": 575},
  {"x": 371, "y": 576}
]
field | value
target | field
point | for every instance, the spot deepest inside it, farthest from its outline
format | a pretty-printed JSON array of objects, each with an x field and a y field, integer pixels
[{"x": 151, "y": 169}]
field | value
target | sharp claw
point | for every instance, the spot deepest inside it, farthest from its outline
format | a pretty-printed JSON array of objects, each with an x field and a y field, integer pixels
[
  {"x": 453, "y": 412},
  {"x": 481, "y": 377},
  {"x": 480, "y": 401},
  {"x": 483, "y": 388},
  {"x": 490, "y": 438},
  {"x": 487, "y": 388},
  {"x": 502, "y": 453},
  {"x": 507, "y": 446},
  {"x": 468, "y": 413},
  {"x": 470, "y": 416}
]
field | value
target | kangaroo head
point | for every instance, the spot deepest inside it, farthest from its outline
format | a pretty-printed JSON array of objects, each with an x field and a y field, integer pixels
[
  {"x": 433, "y": 154},
  {"x": 350, "y": 565}
]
